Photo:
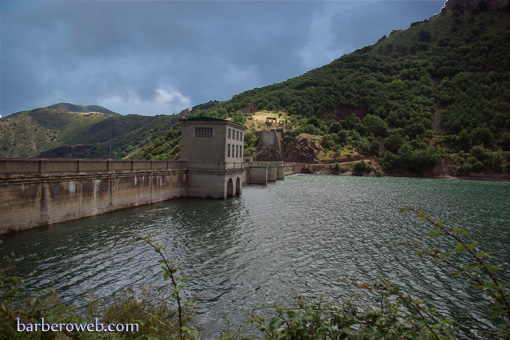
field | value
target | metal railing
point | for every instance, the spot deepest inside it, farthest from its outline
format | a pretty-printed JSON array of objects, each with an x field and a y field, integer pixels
[{"x": 270, "y": 164}]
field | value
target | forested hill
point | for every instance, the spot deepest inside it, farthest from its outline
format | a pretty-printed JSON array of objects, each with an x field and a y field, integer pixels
[
  {"x": 78, "y": 131},
  {"x": 456, "y": 55},
  {"x": 412, "y": 101}
]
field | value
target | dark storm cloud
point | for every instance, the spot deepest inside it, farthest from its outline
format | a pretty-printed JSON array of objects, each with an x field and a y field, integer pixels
[{"x": 157, "y": 57}]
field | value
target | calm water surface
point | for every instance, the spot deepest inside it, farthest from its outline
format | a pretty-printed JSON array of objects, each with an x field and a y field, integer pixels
[{"x": 295, "y": 236}]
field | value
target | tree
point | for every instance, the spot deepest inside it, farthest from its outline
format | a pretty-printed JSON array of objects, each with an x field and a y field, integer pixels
[
  {"x": 375, "y": 147},
  {"x": 482, "y": 135},
  {"x": 425, "y": 36},
  {"x": 350, "y": 122},
  {"x": 314, "y": 121},
  {"x": 405, "y": 152},
  {"x": 239, "y": 118},
  {"x": 463, "y": 141},
  {"x": 360, "y": 167},
  {"x": 422, "y": 160},
  {"x": 414, "y": 129},
  {"x": 391, "y": 161},
  {"x": 342, "y": 137},
  {"x": 393, "y": 143},
  {"x": 327, "y": 142},
  {"x": 376, "y": 125},
  {"x": 250, "y": 139},
  {"x": 335, "y": 127}
]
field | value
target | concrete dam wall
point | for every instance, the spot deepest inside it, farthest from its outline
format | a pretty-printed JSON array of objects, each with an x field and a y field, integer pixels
[
  {"x": 42, "y": 192},
  {"x": 39, "y": 192}
]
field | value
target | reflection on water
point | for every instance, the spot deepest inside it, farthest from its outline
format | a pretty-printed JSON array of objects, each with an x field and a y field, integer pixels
[{"x": 301, "y": 234}]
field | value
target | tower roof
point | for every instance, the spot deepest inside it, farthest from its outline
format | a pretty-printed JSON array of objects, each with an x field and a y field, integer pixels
[{"x": 212, "y": 120}]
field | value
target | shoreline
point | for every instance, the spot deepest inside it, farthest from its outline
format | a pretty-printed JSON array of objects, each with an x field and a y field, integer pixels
[{"x": 322, "y": 169}]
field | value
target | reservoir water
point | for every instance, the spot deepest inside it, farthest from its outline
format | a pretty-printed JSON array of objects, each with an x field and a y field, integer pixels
[{"x": 299, "y": 236}]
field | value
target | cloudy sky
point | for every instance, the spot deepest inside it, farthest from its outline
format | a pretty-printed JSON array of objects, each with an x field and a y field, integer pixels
[{"x": 159, "y": 57}]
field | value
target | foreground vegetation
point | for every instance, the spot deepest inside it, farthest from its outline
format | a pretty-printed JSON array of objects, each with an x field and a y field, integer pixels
[{"x": 377, "y": 310}]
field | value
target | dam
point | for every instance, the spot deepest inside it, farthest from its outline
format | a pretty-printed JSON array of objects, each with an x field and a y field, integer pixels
[{"x": 39, "y": 192}]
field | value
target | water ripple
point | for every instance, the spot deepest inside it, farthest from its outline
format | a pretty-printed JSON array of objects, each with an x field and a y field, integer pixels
[{"x": 302, "y": 235}]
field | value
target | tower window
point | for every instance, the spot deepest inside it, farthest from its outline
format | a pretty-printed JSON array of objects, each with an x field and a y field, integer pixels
[{"x": 203, "y": 132}]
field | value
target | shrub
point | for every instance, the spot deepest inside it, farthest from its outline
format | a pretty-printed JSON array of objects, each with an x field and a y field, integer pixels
[
  {"x": 463, "y": 141},
  {"x": 393, "y": 143},
  {"x": 292, "y": 133},
  {"x": 467, "y": 167},
  {"x": 391, "y": 161},
  {"x": 482, "y": 135},
  {"x": 342, "y": 137},
  {"x": 376, "y": 125},
  {"x": 375, "y": 147},
  {"x": 335, "y": 127},
  {"x": 425, "y": 36},
  {"x": 478, "y": 166},
  {"x": 327, "y": 142},
  {"x": 362, "y": 146},
  {"x": 422, "y": 160},
  {"x": 361, "y": 167}
]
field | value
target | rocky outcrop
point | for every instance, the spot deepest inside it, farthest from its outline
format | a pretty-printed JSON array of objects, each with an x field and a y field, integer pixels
[{"x": 300, "y": 150}]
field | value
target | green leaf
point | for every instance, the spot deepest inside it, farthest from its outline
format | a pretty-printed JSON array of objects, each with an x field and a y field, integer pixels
[
  {"x": 492, "y": 268},
  {"x": 460, "y": 247}
]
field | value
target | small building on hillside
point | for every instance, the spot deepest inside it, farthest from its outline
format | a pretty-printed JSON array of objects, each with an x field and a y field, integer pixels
[{"x": 270, "y": 120}]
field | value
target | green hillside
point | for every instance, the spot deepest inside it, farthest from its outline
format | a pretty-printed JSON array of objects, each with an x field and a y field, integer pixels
[
  {"x": 56, "y": 131},
  {"x": 435, "y": 96},
  {"x": 81, "y": 108},
  {"x": 71, "y": 108}
]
